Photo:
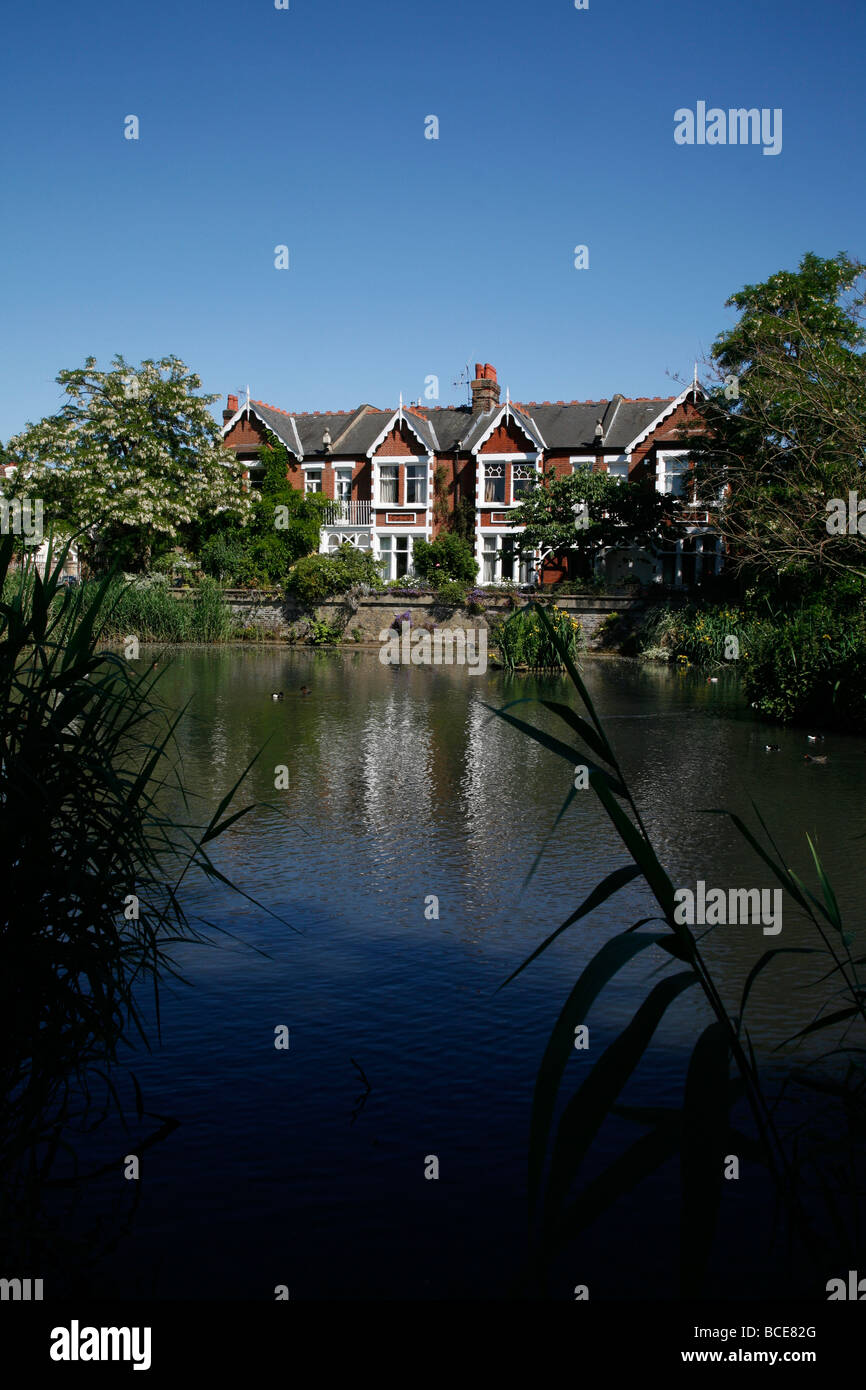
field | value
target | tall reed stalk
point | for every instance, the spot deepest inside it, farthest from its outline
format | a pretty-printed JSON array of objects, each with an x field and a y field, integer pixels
[
  {"x": 93, "y": 865},
  {"x": 701, "y": 1131}
]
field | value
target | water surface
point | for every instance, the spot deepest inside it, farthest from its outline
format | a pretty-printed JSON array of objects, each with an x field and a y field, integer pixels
[{"x": 404, "y": 790}]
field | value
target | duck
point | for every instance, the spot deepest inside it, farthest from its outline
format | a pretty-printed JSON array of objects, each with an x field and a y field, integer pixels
[
  {"x": 822, "y": 758},
  {"x": 814, "y": 738},
  {"x": 305, "y": 690},
  {"x": 772, "y": 747},
  {"x": 712, "y": 680},
  {"x": 277, "y": 695}
]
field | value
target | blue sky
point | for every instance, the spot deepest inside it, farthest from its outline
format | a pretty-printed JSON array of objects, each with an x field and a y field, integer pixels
[{"x": 409, "y": 257}]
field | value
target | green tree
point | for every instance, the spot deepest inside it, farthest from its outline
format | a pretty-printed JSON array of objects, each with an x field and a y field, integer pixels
[
  {"x": 787, "y": 421},
  {"x": 131, "y": 459},
  {"x": 571, "y": 518},
  {"x": 448, "y": 557}
]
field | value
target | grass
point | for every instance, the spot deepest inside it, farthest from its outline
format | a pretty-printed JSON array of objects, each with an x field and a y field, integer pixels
[{"x": 151, "y": 613}]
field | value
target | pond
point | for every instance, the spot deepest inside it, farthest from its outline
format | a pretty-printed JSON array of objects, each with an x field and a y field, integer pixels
[{"x": 398, "y": 855}]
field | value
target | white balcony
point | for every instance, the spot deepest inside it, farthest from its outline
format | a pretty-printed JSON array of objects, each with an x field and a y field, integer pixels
[{"x": 344, "y": 513}]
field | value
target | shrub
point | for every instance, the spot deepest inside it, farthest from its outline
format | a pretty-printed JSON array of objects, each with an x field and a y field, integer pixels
[
  {"x": 451, "y": 594},
  {"x": 448, "y": 557},
  {"x": 317, "y": 578},
  {"x": 810, "y": 667},
  {"x": 323, "y": 633},
  {"x": 221, "y": 556},
  {"x": 699, "y": 633},
  {"x": 150, "y": 611}
]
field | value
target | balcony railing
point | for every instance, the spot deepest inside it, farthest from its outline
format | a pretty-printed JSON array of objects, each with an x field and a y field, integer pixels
[{"x": 344, "y": 513}]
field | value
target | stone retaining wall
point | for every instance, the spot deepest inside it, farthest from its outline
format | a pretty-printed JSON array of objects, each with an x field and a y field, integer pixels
[{"x": 367, "y": 617}]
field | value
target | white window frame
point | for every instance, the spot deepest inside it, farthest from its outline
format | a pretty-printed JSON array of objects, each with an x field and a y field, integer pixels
[
  {"x": 421, "y": 471},
  {"x": 503, "y": 460},
  {"x": 399, "y": 461},
  {"x": 580, "y": 461},
  {"x": 528, "y": 565},
  {"x": 313, "y": 472},
  {"x": 390, "y": 554},
  {"x": 662, "y": 473},
  {"x": 533, "y": 469},
  {"x": 340, "y": 478},
  {"x": 622, "y": 462}
]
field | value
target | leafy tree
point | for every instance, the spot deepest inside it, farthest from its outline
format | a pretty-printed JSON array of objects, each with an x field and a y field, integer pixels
[
  {"x": 573, "y": 517},
  {"x": 132, "y": 458},
  {"x": 222, "y": 555},
  {"x": 788, "y": 422}
]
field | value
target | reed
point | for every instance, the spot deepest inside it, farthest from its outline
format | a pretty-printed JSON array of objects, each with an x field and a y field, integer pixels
[
  {"x": 724, "y": 1067},
  {"x": 93, "y": 865},
  {"x": 154, "y": 615},
  {"x": 525, "y": 642}
]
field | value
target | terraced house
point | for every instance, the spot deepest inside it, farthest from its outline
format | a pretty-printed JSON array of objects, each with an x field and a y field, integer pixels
[{"x": 407, "y": 472}]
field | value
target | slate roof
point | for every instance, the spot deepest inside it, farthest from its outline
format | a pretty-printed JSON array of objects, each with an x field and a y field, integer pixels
[{"x": 553, "y": 425}]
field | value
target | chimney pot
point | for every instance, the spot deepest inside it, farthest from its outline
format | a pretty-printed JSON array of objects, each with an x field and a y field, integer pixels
[{"x": 485, "y": 388}]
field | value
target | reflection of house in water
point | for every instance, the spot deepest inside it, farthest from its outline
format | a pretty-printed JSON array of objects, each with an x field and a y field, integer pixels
[{"x": 399, "y": 475}]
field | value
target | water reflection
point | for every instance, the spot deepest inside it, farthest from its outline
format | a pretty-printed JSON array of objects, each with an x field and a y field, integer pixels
[{"x": 401, "y": 786}]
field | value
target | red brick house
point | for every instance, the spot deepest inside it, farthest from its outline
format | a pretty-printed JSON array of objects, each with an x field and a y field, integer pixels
[{"x": 395, "y": 475}]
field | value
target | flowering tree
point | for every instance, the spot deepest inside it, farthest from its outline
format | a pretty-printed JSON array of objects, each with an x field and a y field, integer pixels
[{"x": 132, "y": 458}]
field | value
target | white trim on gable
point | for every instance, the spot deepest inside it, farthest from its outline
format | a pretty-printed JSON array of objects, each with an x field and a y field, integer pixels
[
  {"x": 510, "y": 413},
  {"x": 249, "y": 409},
  {"x": 400, "y": 416},
  {"x": 669, "y": 409}
]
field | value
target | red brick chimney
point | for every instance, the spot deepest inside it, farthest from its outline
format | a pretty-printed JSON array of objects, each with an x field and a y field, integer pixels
[
  {"x": 232, "y": 404},
  {"x": 485, "y": 388}
]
